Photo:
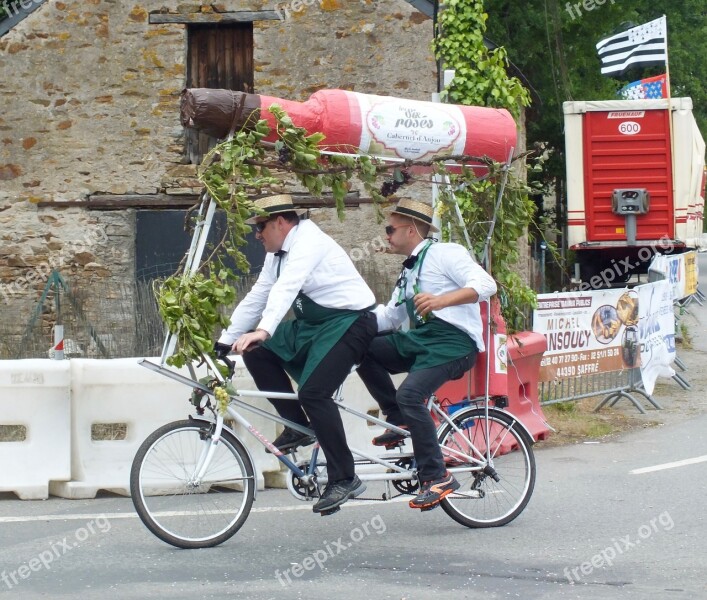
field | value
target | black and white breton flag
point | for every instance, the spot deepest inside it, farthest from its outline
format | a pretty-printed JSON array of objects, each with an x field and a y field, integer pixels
[{"x": 641, "y": 46}]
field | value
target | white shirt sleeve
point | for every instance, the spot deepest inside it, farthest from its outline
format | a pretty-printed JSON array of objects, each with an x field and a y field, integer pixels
[
  {"x": 249, "y": 310},
  {"x": 389, "y": 316},
  {"x": 463, "y": 270}
]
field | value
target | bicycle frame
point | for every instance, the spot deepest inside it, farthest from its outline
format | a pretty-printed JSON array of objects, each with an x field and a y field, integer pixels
[{"x": 393, "y": 471}]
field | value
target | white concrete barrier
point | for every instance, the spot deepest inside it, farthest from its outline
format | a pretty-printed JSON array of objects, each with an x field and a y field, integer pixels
[
  {"x": 120, "y": 391},
  {"x": 264, "y": 463},
  {"x": 60, "y": 402},
  {"x": 34, "y": 394}
]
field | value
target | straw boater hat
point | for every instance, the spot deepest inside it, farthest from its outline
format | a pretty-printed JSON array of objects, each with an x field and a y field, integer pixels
[
  {"x": 272, "y": 205},
  {"x": 415, "y": 210}
]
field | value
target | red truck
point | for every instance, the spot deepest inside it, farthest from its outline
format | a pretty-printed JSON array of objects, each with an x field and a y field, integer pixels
[{"x": 635, "y": 185}]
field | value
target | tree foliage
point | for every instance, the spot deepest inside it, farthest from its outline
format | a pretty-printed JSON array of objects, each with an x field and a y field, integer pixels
[{"x": 553, "y": 43}]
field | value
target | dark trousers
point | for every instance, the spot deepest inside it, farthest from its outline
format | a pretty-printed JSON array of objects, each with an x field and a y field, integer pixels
[
  {"x": 406, "y": 406},
  {"x": 315, "y": 396}
]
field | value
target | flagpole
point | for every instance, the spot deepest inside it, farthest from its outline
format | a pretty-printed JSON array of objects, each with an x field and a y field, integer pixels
[
  {"x": 667, "y": 61},
  {"x": 670, "y": 105}
]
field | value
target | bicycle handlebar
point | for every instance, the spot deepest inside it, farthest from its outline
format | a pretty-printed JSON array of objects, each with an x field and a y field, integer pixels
[{"x": 222, "y": 352}]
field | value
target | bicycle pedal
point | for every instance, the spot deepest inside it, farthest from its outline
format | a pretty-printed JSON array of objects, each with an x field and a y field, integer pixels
[
  {"x": 326, "y": 513},
  {"x": 428, "y": 508}
]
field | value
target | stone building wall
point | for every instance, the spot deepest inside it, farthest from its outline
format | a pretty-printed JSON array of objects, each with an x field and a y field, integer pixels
[
  {"x": 90, "y": 96},
  {"x": 90, "y": 89}
]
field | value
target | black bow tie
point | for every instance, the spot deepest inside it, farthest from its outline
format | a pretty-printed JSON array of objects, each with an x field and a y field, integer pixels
[
  {"x": 280, "y": 253},
  {"x": 410, "y": 261}
]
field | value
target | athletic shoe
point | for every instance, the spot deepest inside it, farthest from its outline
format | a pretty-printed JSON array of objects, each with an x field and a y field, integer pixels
[
  {"x": 290, "y": 439},
  {"x": 432, "y": 492},
  {"x": 338, "y": 492},
  {"x": 389, "y": 437}
]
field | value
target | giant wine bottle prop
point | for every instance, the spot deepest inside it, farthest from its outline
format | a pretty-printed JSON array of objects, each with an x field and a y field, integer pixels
[{"x": 354, "y": 123}]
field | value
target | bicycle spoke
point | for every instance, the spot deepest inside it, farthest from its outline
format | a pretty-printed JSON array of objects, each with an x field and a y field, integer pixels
[
  {"x": 492, "y": 492},
  {"x": 177, "y": 507}
]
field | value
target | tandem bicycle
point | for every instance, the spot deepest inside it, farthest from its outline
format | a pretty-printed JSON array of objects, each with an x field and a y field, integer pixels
[{"x": 193, "y": 481}]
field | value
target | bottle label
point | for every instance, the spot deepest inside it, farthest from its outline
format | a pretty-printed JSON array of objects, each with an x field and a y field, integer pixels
[{"x": 399, "y": 128}]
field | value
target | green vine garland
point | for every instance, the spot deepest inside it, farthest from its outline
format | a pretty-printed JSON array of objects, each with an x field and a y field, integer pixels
[
  {"x": 480, "y": 76},
  {"x": 476, "y": 199},
  {"x": 233, "y": 172}
]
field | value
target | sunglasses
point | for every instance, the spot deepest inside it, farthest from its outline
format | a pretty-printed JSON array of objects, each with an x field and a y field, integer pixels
[
  {"x": 260, "y": 227},
  {"x": 401, "y": 285},
  {"x": 390, "y": 229}
]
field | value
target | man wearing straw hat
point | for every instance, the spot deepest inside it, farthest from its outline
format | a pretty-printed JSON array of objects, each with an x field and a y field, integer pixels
[
  {"x": 305, "y": 270},
  {"x": 438, "y": 290}
]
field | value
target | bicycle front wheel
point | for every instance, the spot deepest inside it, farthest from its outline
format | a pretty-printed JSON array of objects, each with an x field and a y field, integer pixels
[
  {"x": 176, "y": 503},
  {"x": 493, "y": 491}
]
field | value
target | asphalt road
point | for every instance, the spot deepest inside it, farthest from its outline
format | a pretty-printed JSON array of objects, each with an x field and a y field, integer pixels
[{"x": 593, "y": 529}]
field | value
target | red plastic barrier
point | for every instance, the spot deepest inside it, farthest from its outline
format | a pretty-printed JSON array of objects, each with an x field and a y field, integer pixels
[
  {"x": 525, "y": 351},
  {"x": 514, "y": 372},
  {"x": 459, "y": 390}
]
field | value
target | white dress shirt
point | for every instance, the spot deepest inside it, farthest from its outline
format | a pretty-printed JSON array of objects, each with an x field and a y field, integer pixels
[
  {"x": 313, "y": 264},
  {"x": 445, "y": 268}
]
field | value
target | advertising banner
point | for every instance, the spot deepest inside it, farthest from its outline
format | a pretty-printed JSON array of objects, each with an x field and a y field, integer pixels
[
  {"x": 587, "y": 332},
  {"x": 656, "y": 332},
  {"x": 692, "y": 274},
  {"x": 680, "y": 270},
  {"x": 608, "y": 330}
]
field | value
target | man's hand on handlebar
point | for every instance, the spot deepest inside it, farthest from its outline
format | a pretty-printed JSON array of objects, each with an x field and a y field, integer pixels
[{"x": 250, "y": 340}]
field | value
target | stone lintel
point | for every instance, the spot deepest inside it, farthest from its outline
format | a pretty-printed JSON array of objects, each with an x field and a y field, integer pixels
[{"x": 242, "y": 16}]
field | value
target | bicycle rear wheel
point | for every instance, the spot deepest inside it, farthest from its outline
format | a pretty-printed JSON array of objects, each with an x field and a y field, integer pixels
[
  {"x": 173, "y": 504},
  {"x": 492, "y": 493}
]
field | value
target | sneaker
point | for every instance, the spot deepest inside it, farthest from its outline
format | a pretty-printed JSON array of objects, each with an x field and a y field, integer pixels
[
  {"x": 389, "y": 437},
  {"x": 338, "y": 492},
  {"x": 433, "y": 491},
  {"x": 290, "y": 439}
]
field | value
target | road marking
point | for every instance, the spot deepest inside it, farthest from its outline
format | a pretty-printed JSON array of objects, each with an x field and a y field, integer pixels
[
  {"x": 260, "y": 509},
  {"x": 670, "y": 465}
]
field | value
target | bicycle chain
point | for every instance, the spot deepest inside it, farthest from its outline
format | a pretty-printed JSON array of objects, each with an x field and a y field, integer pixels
[{"x": 381, "y": 499}]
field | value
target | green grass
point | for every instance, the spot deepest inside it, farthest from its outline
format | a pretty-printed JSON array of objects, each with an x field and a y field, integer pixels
[
  {"x": 577, "y": 421},
  {"x": 686, "y": 337}
]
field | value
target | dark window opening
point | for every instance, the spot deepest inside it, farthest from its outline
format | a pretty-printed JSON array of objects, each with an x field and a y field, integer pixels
[{"x": 161, "y": 243}]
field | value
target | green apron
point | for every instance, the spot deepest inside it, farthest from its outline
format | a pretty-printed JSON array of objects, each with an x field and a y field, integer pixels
[
  {"x": 303, "y": 342},
  {"x": 431, "y": 341}
]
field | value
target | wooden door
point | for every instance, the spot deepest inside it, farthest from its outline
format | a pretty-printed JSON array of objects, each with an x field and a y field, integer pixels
[{"x": 219, "y": 57}]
